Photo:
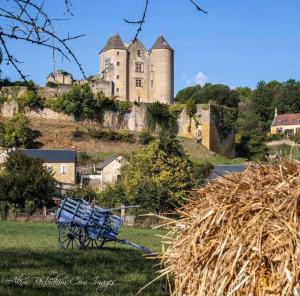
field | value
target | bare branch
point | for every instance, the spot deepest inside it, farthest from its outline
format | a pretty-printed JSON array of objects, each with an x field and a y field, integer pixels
[{"x": 26, "y": 20}]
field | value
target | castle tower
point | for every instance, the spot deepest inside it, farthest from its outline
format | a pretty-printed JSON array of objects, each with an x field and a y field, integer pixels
[
  {"x": 113, "y": 62},
  {"x": 138, "y": 72},
  {"x": 161, "y": 72}
]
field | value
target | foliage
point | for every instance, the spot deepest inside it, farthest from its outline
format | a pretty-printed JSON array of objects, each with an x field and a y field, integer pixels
[
  {"x": 167, "y": 175},
  {"x": 159, "y": 115},
  {"x": 83, "y": 104},
  {"x": 275, "y": 137},
  {"x": 3, "y": 209},
  {"x": 52, "y": 84},
  {"x": 36, "y": 185},
  {"x": 191, "y": 108},
  {"x": 252, "y": 146},
  {"x": 16, "y": 132},
  {"x": 202, "y": 170},
  {"x": 145, "y": 137},
  {"x": 112, "y": 195},
  {"x": 85, "y": 192},
  {"x": 83, "y": 157},
  {"x": 218, "y": 93},
  {"x": 111, "y": 135},
  {"x": 6, "y": 82},
  {"x": 29, "y": 207},
  {"x": 30, "y": 99},
  {"x": 245, "y": 94},
  {"x": 296, "y": 137},
  {"x": 225, "y": 120}
]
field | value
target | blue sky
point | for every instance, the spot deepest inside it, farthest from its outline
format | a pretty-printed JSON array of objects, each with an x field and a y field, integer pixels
[{"x": 238, "y": 43}]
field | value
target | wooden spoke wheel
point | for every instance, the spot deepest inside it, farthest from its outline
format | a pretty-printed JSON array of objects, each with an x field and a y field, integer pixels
[
  {"x": 71, "y": 235},
  {"x": 94, "y": 243}
]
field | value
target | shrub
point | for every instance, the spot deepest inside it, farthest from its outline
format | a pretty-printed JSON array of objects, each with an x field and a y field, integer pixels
[
  {"x": 145, "y": 137},
  {"x": 202, "y": 170},
  {"x": 3, "y": 210},
  {"x": 29, "y": 207},
  {"x": 83, "y": 157}
]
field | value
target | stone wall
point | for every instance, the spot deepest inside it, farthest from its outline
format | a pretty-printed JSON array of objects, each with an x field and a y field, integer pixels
[{"x": 201, "y": 127}]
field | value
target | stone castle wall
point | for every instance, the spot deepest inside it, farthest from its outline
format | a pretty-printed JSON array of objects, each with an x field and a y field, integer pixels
[{"x": 200, "y": 126}]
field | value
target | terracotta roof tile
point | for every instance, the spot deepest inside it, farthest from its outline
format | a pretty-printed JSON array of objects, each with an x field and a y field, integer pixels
[{"x": 286, "y": 119}]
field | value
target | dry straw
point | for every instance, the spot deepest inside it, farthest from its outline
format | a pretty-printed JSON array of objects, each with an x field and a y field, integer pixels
[{"x": 239, "y": 235}]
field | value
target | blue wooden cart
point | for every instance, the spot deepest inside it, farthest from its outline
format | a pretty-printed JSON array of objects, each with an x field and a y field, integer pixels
[{"x": 80, "y": 225}]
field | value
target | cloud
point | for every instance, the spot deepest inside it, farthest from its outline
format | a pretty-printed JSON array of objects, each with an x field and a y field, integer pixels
[{"x": 201, "y": 79}]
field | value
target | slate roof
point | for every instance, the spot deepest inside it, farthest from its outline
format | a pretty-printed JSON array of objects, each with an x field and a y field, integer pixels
[
  {"x": 286, "y": 119},
  {"x": 161, "y": 43},
  {"x": 114, "y": 42},
  {"x": 105, "y": 162},
  {"x": 51, "y": 156}
]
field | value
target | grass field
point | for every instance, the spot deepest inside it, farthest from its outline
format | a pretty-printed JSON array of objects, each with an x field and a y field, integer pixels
[{"x": 32, "y": 264}]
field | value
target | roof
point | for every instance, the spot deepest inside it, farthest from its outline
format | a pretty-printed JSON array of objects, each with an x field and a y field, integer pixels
[
  {"x": 114, "y": 42},
  {"x": 51, "y": 156},
  {"x": 286, "y": 119},
  {"x": 161, "y": 43},
  {"x": 106, "y": 162}
]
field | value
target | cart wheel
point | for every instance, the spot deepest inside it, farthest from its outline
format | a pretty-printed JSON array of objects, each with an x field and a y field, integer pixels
[
  {"x": 94, "y": 243},
  {"x": 71, "y": 235}
]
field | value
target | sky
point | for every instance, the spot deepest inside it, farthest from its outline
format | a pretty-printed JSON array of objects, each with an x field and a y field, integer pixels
[{"x": 238, "y": 43}]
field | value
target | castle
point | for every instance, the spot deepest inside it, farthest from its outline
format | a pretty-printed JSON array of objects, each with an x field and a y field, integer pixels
[
  {"x": 128, "y": 72},
  {"x": 137, "y": 74}
]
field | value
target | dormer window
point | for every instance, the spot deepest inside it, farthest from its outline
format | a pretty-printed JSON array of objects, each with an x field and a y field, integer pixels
[{"x": 139, "y": 53}]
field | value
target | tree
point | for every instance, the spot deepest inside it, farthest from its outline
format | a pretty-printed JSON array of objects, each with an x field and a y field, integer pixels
[
  {"x": 37, "y": 184},
  {"x": 161, "y": 175},
  {"x": 16, "y": 132}
]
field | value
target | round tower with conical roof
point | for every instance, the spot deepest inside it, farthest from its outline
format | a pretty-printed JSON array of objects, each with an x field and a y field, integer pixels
[
  {"x": 113, "y": 60},
  {"x": 161, "y": 72}
]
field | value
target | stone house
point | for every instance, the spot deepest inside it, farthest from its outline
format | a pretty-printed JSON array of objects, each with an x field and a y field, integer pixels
[
  {"x": 62, "y": 164},
  {"x": 102, "y": 173},
  {"x": 285, "y": 123}
]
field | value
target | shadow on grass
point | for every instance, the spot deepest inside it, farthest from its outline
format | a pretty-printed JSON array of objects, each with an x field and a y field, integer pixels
[{"x": 87, "y": 272}]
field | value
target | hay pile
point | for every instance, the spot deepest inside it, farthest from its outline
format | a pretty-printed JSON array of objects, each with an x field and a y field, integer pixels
[{"x": 239, "y": 236}]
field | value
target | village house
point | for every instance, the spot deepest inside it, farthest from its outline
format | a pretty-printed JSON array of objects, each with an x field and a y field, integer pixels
[
  {"x": 288, "y": 124},
  {"x": 62, "y": 164},
  {"x": 100, "y": 174}
]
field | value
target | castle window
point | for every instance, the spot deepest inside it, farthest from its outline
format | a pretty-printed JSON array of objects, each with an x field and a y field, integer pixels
[
  {"x": 139, "y": 99},
  {"x": 152, "y": 83},
  {"x": 117, "y": 90},
  {"x": 139, "y": 67},
  {"x": 118, "y": 63},
  {"x": 138, "y": 82},
  {"x": 118, "y": 53},
  {"x": 138, "y": 52},
  {"x": 118, "y": 76}
]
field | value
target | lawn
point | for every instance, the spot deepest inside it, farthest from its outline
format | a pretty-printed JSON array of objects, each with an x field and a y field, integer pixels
[{"x": 32, "y": 264}]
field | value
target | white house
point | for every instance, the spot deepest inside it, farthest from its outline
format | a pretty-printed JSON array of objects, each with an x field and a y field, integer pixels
[{"x": 105, "y": 172}]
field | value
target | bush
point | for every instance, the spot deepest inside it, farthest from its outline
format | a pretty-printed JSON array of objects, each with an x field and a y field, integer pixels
[
  {"x": 202, "y": 170},
  {"x": 84, "y": 192},
  {"x": 3, "y": 210},
  {"x": 77, "y": 133},
  {"x": 145, "y": 137},
  {"x": 29, "y": 207},
  {"x": 83, "y": 157},
  {"x": 16, "y": 132}
]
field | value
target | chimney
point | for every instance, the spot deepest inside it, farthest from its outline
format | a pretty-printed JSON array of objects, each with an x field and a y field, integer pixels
[{"x": 276, "y": 112}]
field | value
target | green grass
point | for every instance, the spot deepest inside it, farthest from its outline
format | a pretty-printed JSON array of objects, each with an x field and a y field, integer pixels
[
  {"x": 198, "y": 152},
  {"x": 29, "y": 250}
]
